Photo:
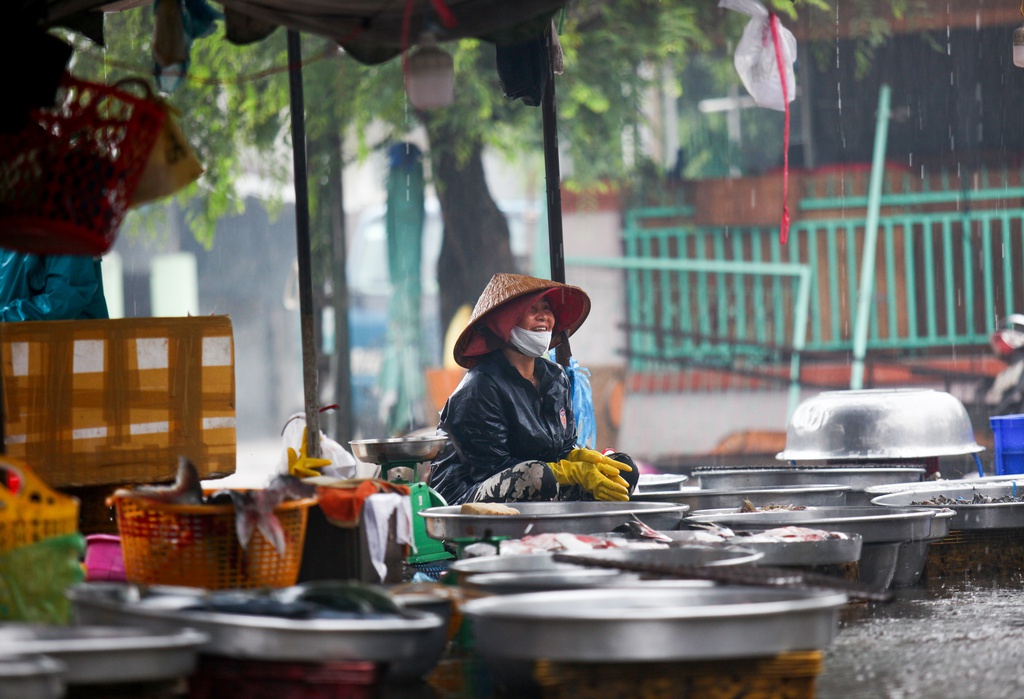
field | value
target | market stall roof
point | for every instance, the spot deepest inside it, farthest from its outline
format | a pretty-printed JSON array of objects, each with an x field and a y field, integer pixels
[{"x": 372, "y": 31}]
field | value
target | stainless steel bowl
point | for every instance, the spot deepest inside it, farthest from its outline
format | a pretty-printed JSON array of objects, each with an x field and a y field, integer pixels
[
  {"x": 28, "y": 676},
  {"x": 448, "y": 522},
  {"x": 969, "y": 515},
  {"x": 856, "y": 478},
  {"x": 875, "y": 524},
  {"x": 693, "y": 623},
  {"x": 708, "y": 499},
  {"x": 398, "y": 449},
  {"x": 659, "y": 483},
  {"x": 108, "y": 654},
  {"x": 878, "y": 424}
]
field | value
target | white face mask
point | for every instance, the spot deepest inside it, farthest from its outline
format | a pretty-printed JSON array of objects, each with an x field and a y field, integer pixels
[{"x": 532, "y": 343}]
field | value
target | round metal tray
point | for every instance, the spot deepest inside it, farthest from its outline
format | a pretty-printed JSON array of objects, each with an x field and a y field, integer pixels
[
  {"x": 857, "y": 478},
  {"x": 31, "y": 677},
  {"x": 801, "y": 553},
  {"x": 398, "y": 449},
  {"x": 708, "y": 499},
  {"x": 659, "y": 483},
  {"x": 549, "y": 518},
  {"x": 391, "y": 638},
  {"x": 878, "y": 424},
  {"x": 544, "y": 581},
  {"x": 691, "y": 623},
  {"x": 108, "y": 654},
  {"x": 872, "y": 523},
  {"x": 1001, "y": 515},
  {"x": 521, "y": 563}
]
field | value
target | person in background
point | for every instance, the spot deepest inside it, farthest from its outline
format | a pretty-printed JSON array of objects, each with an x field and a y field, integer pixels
[
  {"x": 512, "y": 435},
  {"x": 50, "y": 287}
]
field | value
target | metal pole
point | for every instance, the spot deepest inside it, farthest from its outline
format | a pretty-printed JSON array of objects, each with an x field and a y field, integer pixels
[
  {"x": 552, "y": 174},
  {"x": 309, "y": 368},
  {"x": 866, "y": 288},
  {"x": 553, "y": 185}
]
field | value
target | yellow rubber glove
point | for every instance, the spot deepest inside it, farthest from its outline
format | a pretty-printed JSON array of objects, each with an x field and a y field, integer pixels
[
  {"x": 302, "y": 466},
  {"x": 596, "y": 457},
  {"x": 599, "y": 479}
]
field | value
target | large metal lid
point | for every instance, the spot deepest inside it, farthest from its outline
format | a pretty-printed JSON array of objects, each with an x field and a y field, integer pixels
[{"x": 878, "y": 424}]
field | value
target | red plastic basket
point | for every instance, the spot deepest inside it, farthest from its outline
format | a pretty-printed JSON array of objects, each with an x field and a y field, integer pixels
[{"x": 67, "y": 179}]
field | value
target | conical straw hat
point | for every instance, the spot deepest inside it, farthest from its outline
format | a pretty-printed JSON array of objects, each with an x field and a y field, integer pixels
[{"x": 569, "y": 304}]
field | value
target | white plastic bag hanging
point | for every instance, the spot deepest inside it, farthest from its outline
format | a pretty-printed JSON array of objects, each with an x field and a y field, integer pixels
[
  {"x": 756, "y": 58},
  {"x": 342, "y": 464}
]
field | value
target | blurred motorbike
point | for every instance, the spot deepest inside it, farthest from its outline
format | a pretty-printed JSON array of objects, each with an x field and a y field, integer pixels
[{"x": 1006, "y": 395}]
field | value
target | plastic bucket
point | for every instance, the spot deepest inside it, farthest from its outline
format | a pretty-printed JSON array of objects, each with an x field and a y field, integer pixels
[
  {"x": 1008, "y": 434},
  {"x": 103, "y": 559}
]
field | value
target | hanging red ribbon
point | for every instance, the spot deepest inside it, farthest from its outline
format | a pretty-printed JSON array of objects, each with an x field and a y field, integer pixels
[{"x": 777, "y": 41}]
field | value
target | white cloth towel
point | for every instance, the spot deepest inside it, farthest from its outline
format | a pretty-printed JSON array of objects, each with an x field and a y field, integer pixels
[{"x": 377, "y": 511}]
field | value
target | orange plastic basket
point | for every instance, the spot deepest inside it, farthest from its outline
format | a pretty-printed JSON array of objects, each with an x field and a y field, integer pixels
[
  {"x": 35, "y": 511},
  {"x": 197, "y": 545}
]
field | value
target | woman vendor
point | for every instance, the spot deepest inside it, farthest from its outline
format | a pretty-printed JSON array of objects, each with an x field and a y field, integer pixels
[{"x": 512, "y": 435}]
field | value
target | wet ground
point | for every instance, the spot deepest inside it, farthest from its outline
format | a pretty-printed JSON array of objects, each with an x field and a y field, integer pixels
[
  {"x": 940, "y": 640},
  {"x": 944, "y": 640}
]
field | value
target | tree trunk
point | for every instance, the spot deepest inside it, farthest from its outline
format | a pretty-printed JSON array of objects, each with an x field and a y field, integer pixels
[{"x": 476, "y": 236}]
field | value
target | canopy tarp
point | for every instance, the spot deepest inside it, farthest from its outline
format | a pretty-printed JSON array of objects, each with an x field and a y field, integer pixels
[{"x": 371, "y": 31}]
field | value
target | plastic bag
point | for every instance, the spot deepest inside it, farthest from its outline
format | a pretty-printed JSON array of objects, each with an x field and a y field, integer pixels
[
  {"x": 343, "y": 464},
  {"x": 172, "y": 164},
  {"x": 35, "y": 578},
  {"x": 582, "y": 402},
  {"x": 755, "y": 56}
]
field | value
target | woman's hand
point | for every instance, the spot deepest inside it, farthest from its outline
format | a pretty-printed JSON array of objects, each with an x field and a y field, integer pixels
[{"x": 600, "y": 479}]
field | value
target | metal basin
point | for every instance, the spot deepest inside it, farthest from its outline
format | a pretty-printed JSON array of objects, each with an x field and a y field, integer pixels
[
  {"x": 659, "y": 483},
  {"x": 398, "y": 449},
  {"x": 544, "y": 581},
  {"x": 878, "y": 424},
  {"x": 872, "y": 523},
  {"x": 381, "y": 638},
  {"x": 448, "y": 523},
  {"x": 31, "y": 677},
  {"x": 577, "y": 577},
  {"x": 710, "y": 499},
  {"x": 803, "y": 553},
  {"x": 108, "y": 654},
  {"x": 857, "y": 478},
  {"x": 662, "y": 624},
  {"x": 1000, "y": 515}
]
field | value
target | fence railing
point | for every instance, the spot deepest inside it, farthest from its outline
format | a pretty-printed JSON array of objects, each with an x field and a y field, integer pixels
[{"x": 944, "y": 273}]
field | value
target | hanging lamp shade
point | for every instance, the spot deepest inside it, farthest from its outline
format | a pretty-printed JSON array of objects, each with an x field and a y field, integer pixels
[{"x": 430, "y": 75}]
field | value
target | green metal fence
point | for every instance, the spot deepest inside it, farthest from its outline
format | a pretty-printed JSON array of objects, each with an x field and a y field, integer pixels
[{"x": 948, "y": 263}]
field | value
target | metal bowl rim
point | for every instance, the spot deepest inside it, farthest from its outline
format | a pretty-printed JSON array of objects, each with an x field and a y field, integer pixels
[
  {"x": 648, "y": 508},
  {"x": 565, "y": 606}
]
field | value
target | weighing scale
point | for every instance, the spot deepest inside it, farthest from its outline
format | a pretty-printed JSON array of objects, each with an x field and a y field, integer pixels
[{"x": 398, "y": 459}]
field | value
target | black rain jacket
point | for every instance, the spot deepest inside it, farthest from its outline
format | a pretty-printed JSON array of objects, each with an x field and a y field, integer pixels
[{"x": 496, "y": 419}]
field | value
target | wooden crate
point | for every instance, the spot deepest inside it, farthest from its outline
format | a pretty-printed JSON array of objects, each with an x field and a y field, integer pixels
[{"x": 92, "y": 402}]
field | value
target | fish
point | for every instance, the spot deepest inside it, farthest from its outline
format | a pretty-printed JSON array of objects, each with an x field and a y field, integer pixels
[
  {"x": 254, "y": 509},
  {"x": 186, "y": 489},
  {"x": 638, "y": 530}
]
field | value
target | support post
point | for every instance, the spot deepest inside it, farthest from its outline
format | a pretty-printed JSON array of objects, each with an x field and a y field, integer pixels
[
  {"x": 866, "y": 287},
  {"x": 309, "y": 364}
]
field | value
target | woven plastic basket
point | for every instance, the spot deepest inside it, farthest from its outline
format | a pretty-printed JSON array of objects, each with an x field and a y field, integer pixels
[
  {"x": 35, "y": 511},
  {"x": 197, "y": 545},
  {"x": 67, "y": 180}
]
